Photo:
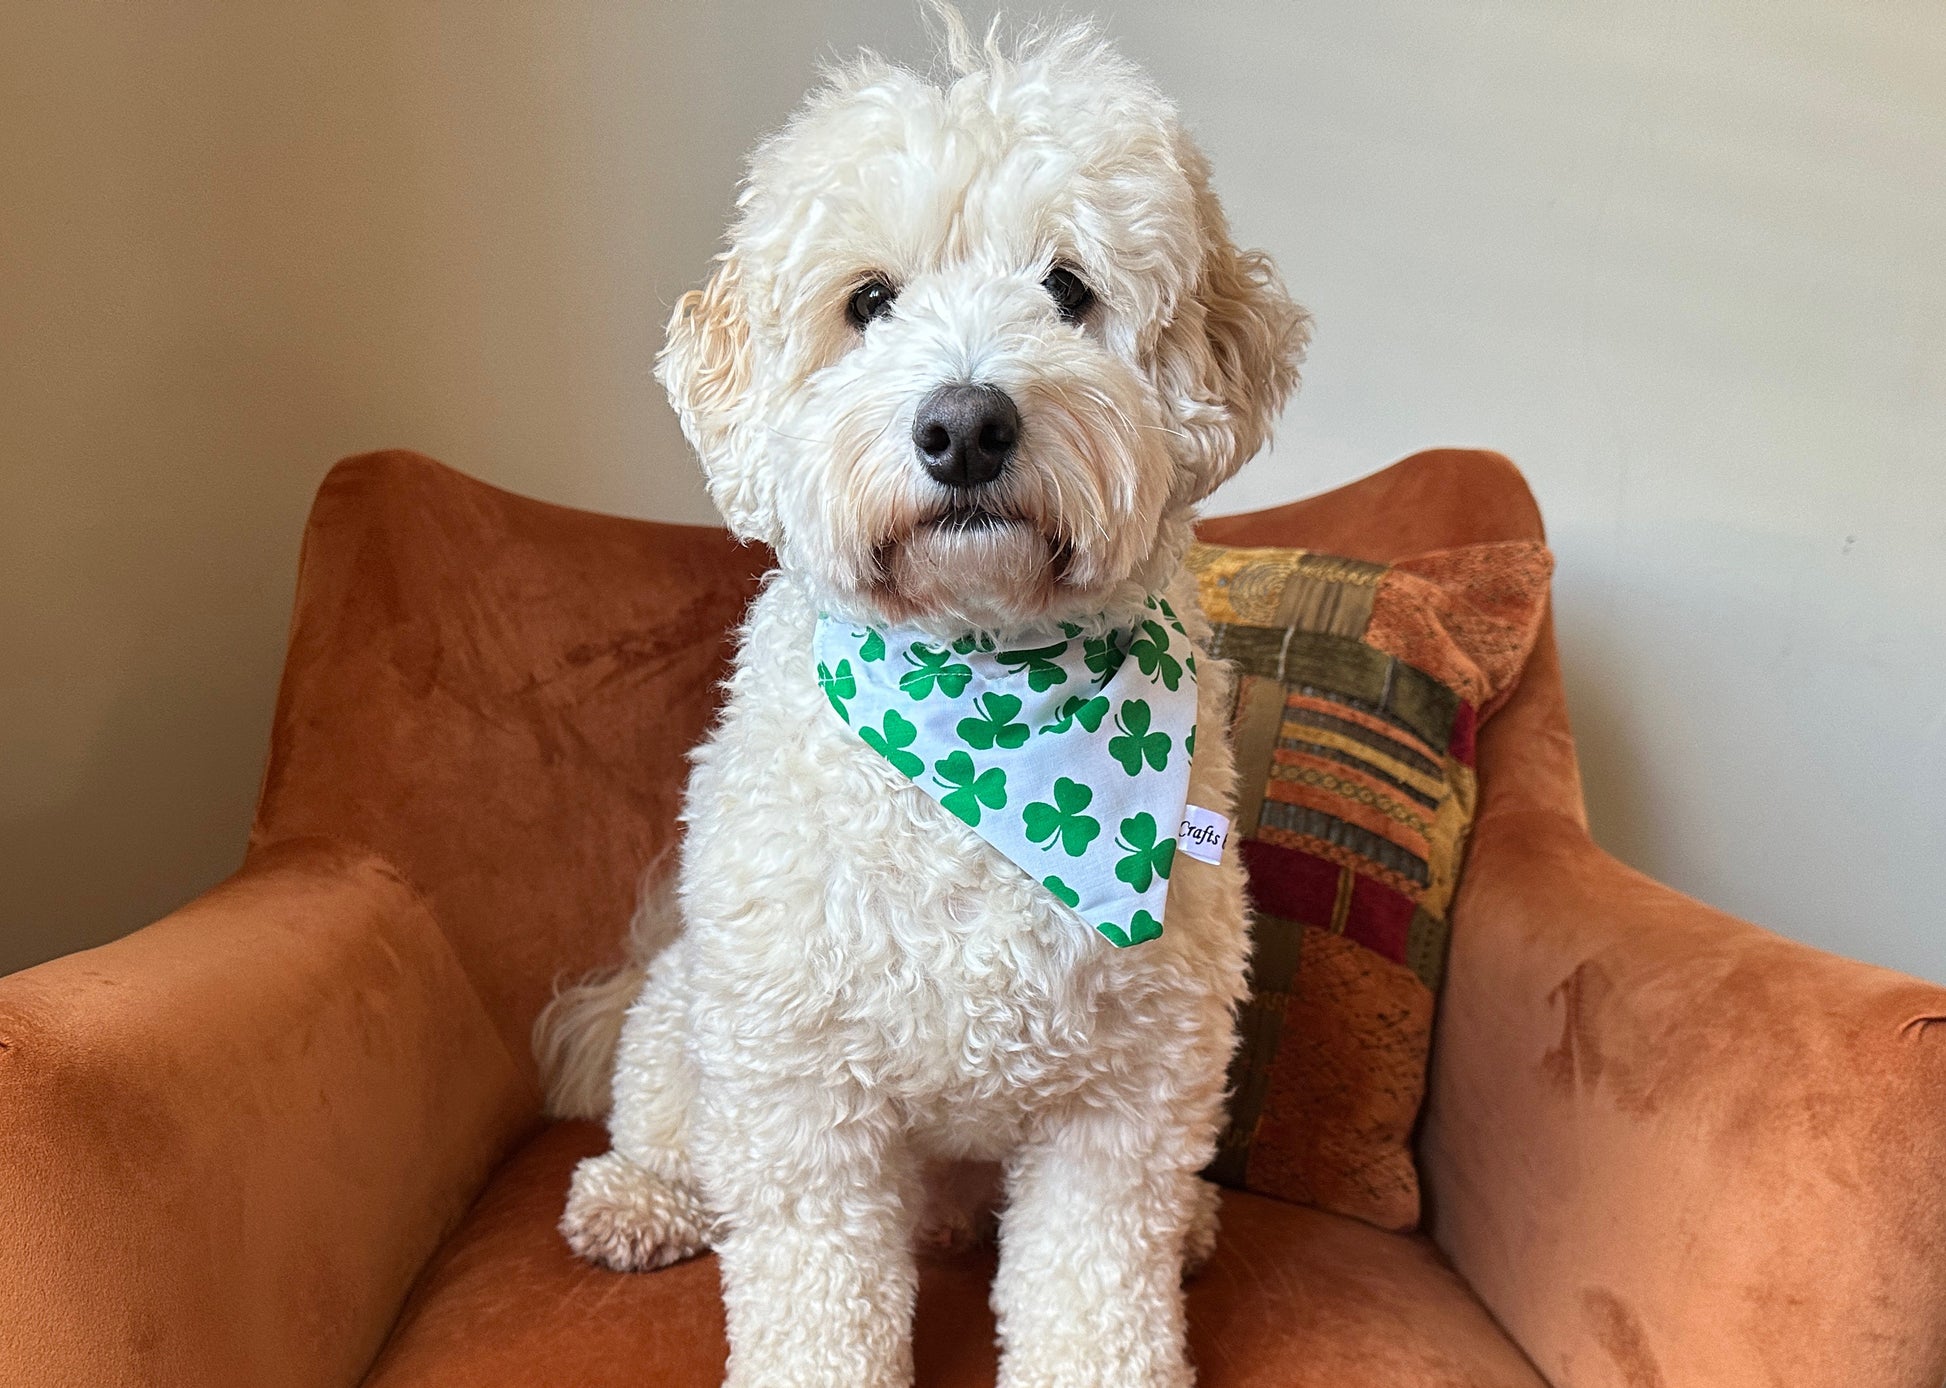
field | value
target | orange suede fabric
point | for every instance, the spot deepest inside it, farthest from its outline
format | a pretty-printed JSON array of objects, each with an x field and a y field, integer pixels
[
  {"x": 1293, "y": 1299},
  {"x": 1670, "y": 1148},
  {"x": 228, "y": 1141},
  {"x": 1664, "y": 1147},
  {"x": 498, "y": 695}
]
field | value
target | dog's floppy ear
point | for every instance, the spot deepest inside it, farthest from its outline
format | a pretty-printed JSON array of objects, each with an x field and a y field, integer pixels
[
  {"x": 1230, "y": 357},
  {"x": 706, "y": 366}
]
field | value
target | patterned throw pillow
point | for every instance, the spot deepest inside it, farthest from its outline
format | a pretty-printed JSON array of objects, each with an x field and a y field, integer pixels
[{"x": 1360, "y": 688}]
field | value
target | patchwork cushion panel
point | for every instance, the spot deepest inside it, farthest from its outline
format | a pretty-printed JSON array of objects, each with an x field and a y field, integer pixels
[{"x": 1360, "y": 690}]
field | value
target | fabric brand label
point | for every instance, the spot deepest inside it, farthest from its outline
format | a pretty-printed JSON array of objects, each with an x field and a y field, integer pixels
[{"x": 1203, "y": 834}]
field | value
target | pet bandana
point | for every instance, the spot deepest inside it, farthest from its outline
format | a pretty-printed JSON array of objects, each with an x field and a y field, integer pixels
[{"x": 1068, "y": 754}]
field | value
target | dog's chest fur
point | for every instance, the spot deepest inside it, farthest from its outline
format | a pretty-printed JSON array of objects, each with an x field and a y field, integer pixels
[{"x": 855, "y": 916}]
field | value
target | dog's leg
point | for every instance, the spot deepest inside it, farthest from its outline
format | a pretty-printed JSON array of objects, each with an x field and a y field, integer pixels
[
  {"x": 1092, "y": 1244},
  {"x": 636, "y": 1206},
  {"x": 817, "y": 1262},
  {"x": 1199, "y": 1239}
]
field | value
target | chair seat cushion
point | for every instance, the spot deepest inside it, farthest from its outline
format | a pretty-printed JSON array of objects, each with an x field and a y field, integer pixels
[{"x": 1294, "y": 1298}]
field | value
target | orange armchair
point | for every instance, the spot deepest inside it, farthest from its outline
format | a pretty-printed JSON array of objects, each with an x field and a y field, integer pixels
[{"x": 291, "y": 1134}]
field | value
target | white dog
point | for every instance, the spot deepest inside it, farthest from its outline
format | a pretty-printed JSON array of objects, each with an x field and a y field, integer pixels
[{"x": 973, "y": 355}]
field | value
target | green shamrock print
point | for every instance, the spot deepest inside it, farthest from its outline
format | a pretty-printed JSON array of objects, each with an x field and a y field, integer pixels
[
  {"x": 892, "y": 742},
  {"x": 995, "y": 727},
  {"x": 1147, "y": 859},
  {"x": 838, "y": 685},
  {"x": 1151, "y": 652},
  {"x": 1087, "y": 712},
  {"x": 970, "y": 643},
  {"x": 970, "y": 791},
  {"x": 1063, "y": 819},
  {"x": 1137, "y": 744},
  {"x": 933, "y": 669},
  {"x": 1070, "y": 630},
  {"x": 1189, "y": 745},
  {"x": 874, "y": 647},
  {"x": 1039, "y": 665},
  {"x": 1063, "y": 893},
  {"x": 1103, "y": 657},
  {"x": 1143, "y": 927},
  {"x": 1168, "y": 614}
]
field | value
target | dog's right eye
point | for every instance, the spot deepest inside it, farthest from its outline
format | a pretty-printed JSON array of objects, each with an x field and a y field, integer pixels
[
  {"x": 872, "y": 299},
  {"x": 1072, "y": 298}
]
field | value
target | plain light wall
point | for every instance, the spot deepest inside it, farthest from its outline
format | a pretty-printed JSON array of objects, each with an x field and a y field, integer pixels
[{"x": 1681, "y": 260}]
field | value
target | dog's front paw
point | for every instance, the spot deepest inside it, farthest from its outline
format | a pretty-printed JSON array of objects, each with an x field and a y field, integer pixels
[{"x": 626, "y": 1217}]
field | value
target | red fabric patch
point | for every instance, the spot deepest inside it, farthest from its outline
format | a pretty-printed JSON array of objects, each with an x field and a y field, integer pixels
[
  {"x": 1461, "y": 745},
  {"x": 1380, "y": 919},
  {"x": 1294, "y": 885}
]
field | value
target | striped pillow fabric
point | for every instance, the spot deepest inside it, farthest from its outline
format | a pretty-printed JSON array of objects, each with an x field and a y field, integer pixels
[{"x": 1360, "y": 688}]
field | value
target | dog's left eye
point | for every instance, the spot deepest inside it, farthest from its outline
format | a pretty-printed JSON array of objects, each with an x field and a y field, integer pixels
[
  {"x": 1070, "y": 295},
  {"x": 872, "y": 299}
]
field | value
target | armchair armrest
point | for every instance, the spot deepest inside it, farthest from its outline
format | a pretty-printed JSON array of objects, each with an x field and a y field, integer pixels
[
  {"x": 1667, "y": 1147},
  {"x": 228, "y": 1141}
]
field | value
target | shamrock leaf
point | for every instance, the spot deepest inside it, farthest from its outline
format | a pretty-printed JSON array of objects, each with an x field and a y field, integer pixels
[
  {"x": 1039, "y": 665},
  {"x": 970, "y": 643},
  {"x": 994, "y": 728},
  {"x": 1169, "y": 615},
  {"x": 932, "y": 669},
  {"x": 969, "y": 791},
  {"x": 892, "y": 742},
  {"x": 838, "y": 685},
  {"x": 1103, "y": 656},
  {"x": 1151, "y": 652},
  {"x": 1070, "y": 630},
  {"x": 874, "y": 647},
  {"x": 1137, "y": 744},
  {"x": 1189, "y": 744},
  {"x": 1063, "y": 893},
  {"x": 1143, "y": 927},
  {"x": 1077, "y": 709},
  {"x": 1063, "y": 819},
  {"x": 1147, "y": 859}
]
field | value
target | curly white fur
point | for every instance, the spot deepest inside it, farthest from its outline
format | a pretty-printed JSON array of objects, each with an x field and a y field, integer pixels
[{"x": 861, "y": 986}]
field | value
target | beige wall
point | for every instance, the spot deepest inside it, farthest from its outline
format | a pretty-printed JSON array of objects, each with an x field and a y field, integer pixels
[{"x": 1681, "y": 260}]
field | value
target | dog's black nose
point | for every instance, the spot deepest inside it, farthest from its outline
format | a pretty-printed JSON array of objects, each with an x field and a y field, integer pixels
[{"x": 965, "y": 434}]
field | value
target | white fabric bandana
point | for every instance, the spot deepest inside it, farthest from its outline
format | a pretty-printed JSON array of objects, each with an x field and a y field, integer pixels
[{"x": 1069, "y": 755}]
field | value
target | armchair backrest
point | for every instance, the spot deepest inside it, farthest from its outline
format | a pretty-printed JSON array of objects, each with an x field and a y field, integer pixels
[{"x": 498, "y": 696}]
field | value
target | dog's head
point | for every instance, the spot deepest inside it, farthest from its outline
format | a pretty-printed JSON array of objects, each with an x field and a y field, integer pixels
[{"x": 976, "y": 350}]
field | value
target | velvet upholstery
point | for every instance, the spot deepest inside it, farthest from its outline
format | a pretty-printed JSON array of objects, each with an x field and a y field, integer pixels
[
  {"x": 1294, "y": 1298},
  {"x": 499, "y": 695},
  {"x": 1662, "y": 1147},
  {"x": 229, "y": 1141}
]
